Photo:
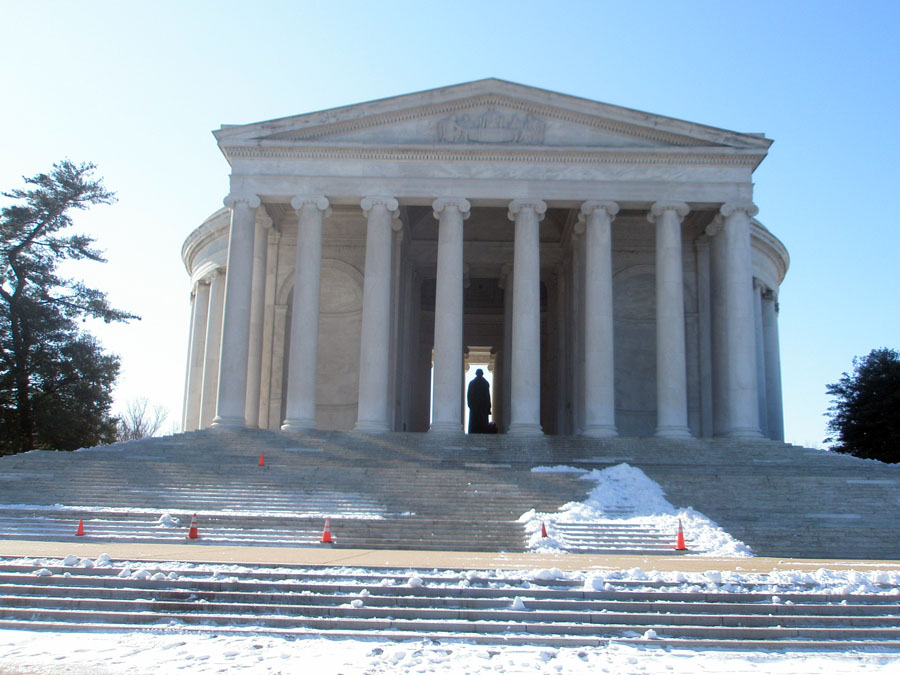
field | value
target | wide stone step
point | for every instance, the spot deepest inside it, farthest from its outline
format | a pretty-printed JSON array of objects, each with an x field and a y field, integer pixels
[
  {"x": 443, "y": 629},
  {"x": 779, "y": 499},
  {"x": 387, "y": 608}
]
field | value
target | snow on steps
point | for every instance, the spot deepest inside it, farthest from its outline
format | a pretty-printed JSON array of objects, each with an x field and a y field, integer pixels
[
  {"x": 441, "y": 605},
  {"x": 780, "y": 500}
]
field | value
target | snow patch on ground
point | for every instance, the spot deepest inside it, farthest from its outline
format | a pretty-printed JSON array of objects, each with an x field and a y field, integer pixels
[
  {"x": 623, "y": 489},
  {"x": 165, "y": 653}
]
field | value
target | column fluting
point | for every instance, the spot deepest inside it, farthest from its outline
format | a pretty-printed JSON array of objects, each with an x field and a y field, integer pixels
[
  {"x": 300, "y": 408},
  {"x": 257, "y": 309},
  {"x": 773, "y": 366},
  {"x": 740, "y": 334},
  {"x": 197, "y": 356},
  {"x": 448, "y": 316},
  {"x": 717, "y": 325},
  {"x": 231, "y": 400},
  {"x": 525, "y": 399},
  {"x": 599, "y": 385},
  {"x": 213, "y": 348},
  {"x": 671, "y": 369},
  {"x": 376, "y": 314},
  {"x": 759, "y": 342}
]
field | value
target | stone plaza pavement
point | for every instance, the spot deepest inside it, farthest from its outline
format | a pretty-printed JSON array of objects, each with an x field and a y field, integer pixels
[{"x": 418, "y": 559}]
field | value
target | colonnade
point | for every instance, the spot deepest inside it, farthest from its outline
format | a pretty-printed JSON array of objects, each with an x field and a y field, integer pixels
[{"x": 745, "y": 384}]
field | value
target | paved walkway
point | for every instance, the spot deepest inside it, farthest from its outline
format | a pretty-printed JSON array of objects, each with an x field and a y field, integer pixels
[{"x": 257, "y": 555}]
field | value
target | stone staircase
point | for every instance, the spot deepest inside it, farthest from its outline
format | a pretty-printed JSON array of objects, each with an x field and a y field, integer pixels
[
  {"x": 415, "y": 491},
  {"x": 439, "y": 605}
]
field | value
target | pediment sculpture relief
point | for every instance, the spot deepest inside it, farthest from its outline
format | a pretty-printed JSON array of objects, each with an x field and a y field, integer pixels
[{"x": 491, "y": 126}]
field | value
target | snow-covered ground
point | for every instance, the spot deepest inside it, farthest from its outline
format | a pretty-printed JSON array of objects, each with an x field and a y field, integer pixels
[{"x": 120, "y": 653}]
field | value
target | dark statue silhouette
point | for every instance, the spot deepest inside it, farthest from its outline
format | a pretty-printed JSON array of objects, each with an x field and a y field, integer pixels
[{"x": 478, "y": 398}]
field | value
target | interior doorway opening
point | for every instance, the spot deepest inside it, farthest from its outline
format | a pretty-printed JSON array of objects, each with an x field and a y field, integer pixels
[{"x": 473, "y": 359}]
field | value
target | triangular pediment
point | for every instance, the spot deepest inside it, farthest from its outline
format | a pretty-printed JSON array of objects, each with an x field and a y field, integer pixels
[{"x": 483, "y": 114}]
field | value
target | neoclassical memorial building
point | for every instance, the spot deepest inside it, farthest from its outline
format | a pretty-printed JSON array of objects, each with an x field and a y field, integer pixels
[{"x": 606, "y": 264}]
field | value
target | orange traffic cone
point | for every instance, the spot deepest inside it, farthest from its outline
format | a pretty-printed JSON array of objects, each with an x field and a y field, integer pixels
[
  {"x": 326, "y": 533},
  {"x": 679, "y": 540},
  {"x": 261, "y": 460},
  {"x": 80, "y": 531},
  {"x": 543, "y": 530},
  {"x": 192, "y": 533}
]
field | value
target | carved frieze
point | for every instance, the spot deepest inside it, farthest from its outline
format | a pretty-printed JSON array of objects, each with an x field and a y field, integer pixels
[{"x": 491, "y": 126}]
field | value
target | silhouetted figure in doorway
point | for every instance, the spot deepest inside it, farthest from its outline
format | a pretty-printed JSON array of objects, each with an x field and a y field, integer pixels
[{"x": 478, "y": 397}]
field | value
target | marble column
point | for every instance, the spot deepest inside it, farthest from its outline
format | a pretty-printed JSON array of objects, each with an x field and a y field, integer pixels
[
  {"x": 759, "y": 341},
  {"x": 212, "y": 348},
  {"x": 704, "y": 311},
  {"x": 507, "y": 285},
  {"x": 376, "y": 314},
  {"x": 187, "y": 373},
  {"x": 525, "y": 400},
  {"x": 199, "y": 321},
  {"x": 231, "y": 400},
  {"x": 448, "y": 316},
  {"x": 599, "y": 371},
  {"x": 671, "y": 369},
  {"x": 717, "y": 326},
  {"x": 577, "y": 306},
  {"x": 257, "y": 310},
  {"x": 740, "y": 334},
  {"x": 773, "y": 366},
  {"x": 300, "y": 409}
]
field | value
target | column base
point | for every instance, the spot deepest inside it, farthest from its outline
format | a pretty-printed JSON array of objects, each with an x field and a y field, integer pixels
[
  {"x": 298, "y": 425},
  {"x": 228, "y": 423},
  {"x": 446, "y": 428},
  {"x": 367, "y": 427},
  {"x": 524, "y": 429},
  {"x": 673, "y": 432},
  {"x": 599, "y": 431},
  {"x": 744, "y": 432}
]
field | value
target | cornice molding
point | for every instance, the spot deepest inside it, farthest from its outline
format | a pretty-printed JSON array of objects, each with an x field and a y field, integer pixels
[
  {"x": 529, "y": 155},
  {"x": 208, "y": 229}
]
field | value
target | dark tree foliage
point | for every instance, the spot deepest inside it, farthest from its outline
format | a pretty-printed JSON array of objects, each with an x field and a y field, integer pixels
[
  {"x": 55, "y": 380},
  {"x": 865, "y": 410}
]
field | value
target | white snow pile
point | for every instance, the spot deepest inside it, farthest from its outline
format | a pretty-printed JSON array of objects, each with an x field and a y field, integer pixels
[
  {"x": 623, "y": 494},
  {"x": 167, "y": 520}
]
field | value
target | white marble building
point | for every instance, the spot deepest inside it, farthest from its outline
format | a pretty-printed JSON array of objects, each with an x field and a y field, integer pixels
[{"x": 608, "y": 260}]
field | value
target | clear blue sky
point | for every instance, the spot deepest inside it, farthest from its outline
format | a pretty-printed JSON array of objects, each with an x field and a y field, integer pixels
[{"x": 136, "y": 87}]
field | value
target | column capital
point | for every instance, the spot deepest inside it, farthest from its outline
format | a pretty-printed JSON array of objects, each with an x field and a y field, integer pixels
[
  {"x": 318, "y": 201},
  {"x": 263, "y": 218},
  {"x": 730, "y": 208},
  {"x": 459, "y": 203},
  {"x": 518, "y": 205},
  {"x": 680, "y": 208},
  {"x": 235, "y": 198},
  {"x": 715, "y": 226},
  {"x": 208, "y": 277},
  {"x": 389, "y": 203},
  {"x": 611, "y": 208},
  {"x": 592, "y": 206}
]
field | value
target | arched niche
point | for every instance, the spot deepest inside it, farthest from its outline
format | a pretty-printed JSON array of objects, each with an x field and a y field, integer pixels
[{"x": 337, "y": 367}]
